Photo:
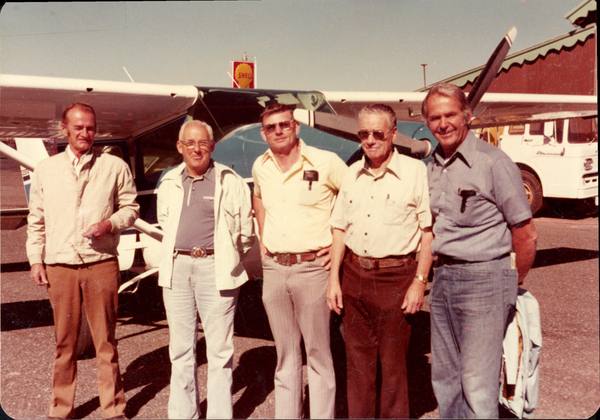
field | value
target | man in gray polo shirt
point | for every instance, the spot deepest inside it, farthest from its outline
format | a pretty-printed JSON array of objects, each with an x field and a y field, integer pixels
[
  {"x": 204, "y": 210},
  {"x": 481, "y": 214}
]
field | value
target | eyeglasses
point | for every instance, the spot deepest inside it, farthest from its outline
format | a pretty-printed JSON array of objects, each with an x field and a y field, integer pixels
[
  {"x": 191, "y": 144},
  {"x": 377, "y": 135},
  {"x": 284, "y": 125}
]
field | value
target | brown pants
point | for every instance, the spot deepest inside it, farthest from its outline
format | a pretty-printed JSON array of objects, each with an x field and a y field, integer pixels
[
  {"x": 94, "y": 285},
  {"x": 374, "y": 325}
]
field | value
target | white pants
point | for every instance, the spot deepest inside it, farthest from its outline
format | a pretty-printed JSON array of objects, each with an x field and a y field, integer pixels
[{"x": 193, "y": 289}]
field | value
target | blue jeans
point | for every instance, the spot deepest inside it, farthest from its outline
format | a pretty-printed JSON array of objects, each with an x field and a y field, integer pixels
[
  {"x": 470, "y": 304},
  {"x": 193, "y": 291}
]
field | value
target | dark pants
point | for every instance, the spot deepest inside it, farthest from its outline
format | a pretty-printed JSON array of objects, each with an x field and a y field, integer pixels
[{"x": 375, "y": 325}]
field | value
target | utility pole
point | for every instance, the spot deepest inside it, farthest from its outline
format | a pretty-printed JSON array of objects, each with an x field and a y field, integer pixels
[{"x": 424, "y": 77}]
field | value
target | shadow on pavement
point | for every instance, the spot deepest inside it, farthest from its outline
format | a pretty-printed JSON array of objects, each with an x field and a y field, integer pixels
[
  {"x": 14, "y": 267},
  {"x": 568, "y": 209},
  {"x": 562, "y": 255},
  {"x": 255, "y": 373},
  {"x": 420, "y": 392},
  {"x": 25, "y": 314}
]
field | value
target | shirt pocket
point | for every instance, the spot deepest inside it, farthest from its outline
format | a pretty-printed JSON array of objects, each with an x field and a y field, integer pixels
[
  {"x": 395, "y": 211},
  {"x": 471, "y": 213},
  {"x": 309, "y": 197}
]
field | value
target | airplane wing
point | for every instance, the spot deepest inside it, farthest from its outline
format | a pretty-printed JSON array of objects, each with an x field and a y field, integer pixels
[
  {"x": 493, "y": 109},
  {"x": 32, "y": 106}
]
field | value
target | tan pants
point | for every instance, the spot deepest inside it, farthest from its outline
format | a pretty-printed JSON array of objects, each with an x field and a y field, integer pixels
[
  {"x": 94, "y": 285},
  {"x": 294, "y": 299}
]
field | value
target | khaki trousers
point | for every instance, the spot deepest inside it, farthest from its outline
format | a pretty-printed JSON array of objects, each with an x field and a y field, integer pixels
[
  {"x": 95, "y": 286},
  {"x": 294, "y": 299}
]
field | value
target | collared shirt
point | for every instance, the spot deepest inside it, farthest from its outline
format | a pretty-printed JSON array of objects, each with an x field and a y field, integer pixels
[
  {"x": 477, "y": 230},
  {"x": 384, "y": 215},
  {"x": 77, "y": 161},
  {"x": 197, "y": 221},
  {"x": 298, "y": 211}
]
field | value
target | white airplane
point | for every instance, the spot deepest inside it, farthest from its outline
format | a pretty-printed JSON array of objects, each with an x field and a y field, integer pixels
[{"x": 140, "y": 122}]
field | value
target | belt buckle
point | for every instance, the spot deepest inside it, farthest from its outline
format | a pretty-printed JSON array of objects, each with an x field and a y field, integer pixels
[
  {"x": 284, "y": 259},
  {"x": 198, "y": 252},
  {"x": 366, "y": 263}
]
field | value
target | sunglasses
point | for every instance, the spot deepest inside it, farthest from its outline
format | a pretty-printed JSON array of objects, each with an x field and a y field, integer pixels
[
  {"x": 284, "y": 125},
  {"x": 191, "y": 144},
  {"x": 377, "y": 135}
]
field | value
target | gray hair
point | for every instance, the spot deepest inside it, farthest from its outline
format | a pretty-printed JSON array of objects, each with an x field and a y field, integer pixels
[
  {"x": 198, "y": 124},
  {"x": 380, "y": 109},
  {"x": 450, "y": 91}
]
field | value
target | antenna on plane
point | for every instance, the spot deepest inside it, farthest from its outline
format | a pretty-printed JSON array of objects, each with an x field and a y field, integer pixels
[{"x": 128, "y": 75}]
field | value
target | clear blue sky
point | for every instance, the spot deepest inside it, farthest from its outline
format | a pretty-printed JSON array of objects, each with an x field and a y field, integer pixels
[{"x": 357, "y": 45}]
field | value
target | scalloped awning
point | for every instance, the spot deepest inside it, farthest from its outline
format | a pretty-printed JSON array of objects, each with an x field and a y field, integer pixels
[
  {"x": 528, "y": 55},
  {"x": 583, "y": 14}
]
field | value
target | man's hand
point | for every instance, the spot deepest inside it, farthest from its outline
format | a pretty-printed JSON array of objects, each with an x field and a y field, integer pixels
[
  {"x": 98, "y": 230},
  {"x": 38, "y": 274},
  {"x": 413, "y": 300},
  {"x": 335, "y": 301},
  {"x": 327, "y": 261},
  {"x": 263, "y": 251}
]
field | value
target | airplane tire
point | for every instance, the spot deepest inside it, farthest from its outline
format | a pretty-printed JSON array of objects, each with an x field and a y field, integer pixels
[{"x": 533, "y": 189}]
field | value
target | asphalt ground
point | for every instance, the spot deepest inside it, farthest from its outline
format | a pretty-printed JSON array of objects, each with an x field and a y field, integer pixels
[{"x": 564, "y": 280}]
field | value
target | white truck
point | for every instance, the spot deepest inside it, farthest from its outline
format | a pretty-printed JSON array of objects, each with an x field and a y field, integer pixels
[{"x": 558, "y": 159}]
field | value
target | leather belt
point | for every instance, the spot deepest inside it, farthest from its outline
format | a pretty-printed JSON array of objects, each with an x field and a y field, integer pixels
[
  {"x": 287, "y": 259},
  {"x": 375, "y": 263},
  {"x": 200, "y": 252},
  {"x": 446, "y": 260}
]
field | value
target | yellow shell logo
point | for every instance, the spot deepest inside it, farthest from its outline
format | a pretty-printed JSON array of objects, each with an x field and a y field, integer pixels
[{"x": 244, "y": 75}]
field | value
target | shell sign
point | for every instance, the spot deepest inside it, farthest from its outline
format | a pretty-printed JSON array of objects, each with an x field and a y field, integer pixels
[{"x": 243, "y": 74}]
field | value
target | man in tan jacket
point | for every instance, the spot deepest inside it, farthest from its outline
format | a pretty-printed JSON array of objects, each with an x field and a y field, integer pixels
[{"x": 80, "y": 201}]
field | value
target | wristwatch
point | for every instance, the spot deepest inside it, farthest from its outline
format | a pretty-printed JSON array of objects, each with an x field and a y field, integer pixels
[{"x": 421, "y": 278}]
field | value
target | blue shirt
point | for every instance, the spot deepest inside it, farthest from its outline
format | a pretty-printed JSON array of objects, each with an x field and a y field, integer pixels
[{"x": 478, "y": 229}]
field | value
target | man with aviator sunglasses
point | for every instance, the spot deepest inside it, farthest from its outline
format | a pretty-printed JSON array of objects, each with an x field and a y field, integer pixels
[
  {"x": 295, "y": 186},
  {"x": 381, "y": 221}
]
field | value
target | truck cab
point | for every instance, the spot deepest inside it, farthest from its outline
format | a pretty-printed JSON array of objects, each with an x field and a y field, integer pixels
[{"x": 558, "y": 159}]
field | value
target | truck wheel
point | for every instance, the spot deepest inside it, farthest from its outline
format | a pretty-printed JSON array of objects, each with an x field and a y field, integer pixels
[{"x": 533, "y": 189}]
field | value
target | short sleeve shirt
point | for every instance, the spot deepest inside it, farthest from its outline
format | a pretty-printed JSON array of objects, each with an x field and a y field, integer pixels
[
  {"x": 384, "y": 215},
  {"x": 298, "y": 210},
  {"x": 479, "y": 228}
]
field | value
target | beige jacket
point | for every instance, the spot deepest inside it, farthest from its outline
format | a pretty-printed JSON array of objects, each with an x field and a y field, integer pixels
[{"x": 62, "y": 206}]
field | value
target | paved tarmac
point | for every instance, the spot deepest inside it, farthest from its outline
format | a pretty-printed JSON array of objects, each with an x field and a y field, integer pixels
[{"x": 564, "y": 280}]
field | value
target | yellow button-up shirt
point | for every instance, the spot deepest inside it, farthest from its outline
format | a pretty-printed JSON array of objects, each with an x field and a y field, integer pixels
[
  {"x": 383, "y": 215},
  {"x": 297, "y": 212}
]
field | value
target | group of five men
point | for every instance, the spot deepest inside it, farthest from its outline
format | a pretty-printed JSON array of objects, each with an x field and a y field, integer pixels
[{"x": 358, "y": 241}]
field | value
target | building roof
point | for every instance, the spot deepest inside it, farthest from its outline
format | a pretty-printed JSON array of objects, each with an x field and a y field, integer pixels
[
  {"x": 527, "y": 55},
  {"x": 583, "y": 14}
]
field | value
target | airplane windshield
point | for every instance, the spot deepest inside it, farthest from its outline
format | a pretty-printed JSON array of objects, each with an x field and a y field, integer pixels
[{"x": 229, "y": 109}]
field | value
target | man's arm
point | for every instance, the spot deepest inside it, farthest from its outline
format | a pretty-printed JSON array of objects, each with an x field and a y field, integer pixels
[
  {"x": 524, "y": 242},
  {"x": 334, "y": 289},
  {"x": 128, "y": 210},
  {"x": 413, "y": 300},
  {"x": 246, "y": 222},
  {"x": 259, "y": 212},
  {"x": 36, "y": 233}
]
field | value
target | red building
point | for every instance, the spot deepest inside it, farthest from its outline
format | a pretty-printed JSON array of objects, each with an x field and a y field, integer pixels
[{"x": 564, "y": 65}]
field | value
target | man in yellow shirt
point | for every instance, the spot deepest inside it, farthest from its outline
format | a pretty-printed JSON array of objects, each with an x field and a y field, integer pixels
[
  {"x": 295, "y": 187},
  {"x": 382, "y": 216}
]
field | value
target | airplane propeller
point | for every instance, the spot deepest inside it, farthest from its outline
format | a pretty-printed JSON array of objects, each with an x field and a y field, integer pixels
[{"x": 488, "y": 74}]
